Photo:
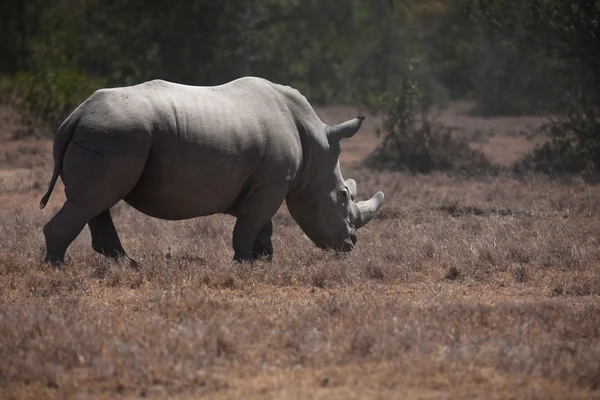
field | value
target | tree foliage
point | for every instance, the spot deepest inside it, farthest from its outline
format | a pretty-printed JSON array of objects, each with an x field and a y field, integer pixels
[
  {"x": 343, "y": 51},
  {"x": 510, "y": 57},
  {"x": 568, "y": 34}
]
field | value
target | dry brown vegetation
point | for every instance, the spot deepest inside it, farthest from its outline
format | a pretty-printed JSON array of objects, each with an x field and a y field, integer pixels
[{"x": 462, "y": 288}]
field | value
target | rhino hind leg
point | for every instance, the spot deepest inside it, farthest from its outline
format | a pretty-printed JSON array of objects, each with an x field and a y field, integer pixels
[
  {"x": 105, "y": 239},
  {"x": 62, "y": 229},
  {"x": 263, "y": 245},
  {"x": 94, "y": 182}
]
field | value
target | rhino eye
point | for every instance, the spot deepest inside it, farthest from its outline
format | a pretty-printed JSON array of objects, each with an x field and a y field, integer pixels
[{"x": 345, "y": 192}]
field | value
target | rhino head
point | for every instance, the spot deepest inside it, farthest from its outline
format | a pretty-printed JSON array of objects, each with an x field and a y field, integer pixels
[{"x": 325, "y": 207}]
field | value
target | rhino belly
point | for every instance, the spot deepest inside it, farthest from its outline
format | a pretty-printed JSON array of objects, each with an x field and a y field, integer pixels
[{"x": 179, "y": 186}]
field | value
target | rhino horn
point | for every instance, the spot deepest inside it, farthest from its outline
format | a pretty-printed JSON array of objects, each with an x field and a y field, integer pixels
[
  {"x": 367, "y": 210},
  {"x": 344, "y": 130}
]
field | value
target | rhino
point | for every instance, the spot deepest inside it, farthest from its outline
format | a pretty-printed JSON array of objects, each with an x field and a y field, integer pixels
[{"x": 175, "y": 151}]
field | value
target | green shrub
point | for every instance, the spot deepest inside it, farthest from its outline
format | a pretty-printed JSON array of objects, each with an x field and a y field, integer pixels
[
  {"x": 46, "y": 97},
  {"x": 574, "y": 147},
  {"x": 420, "y": 144},
  {"x": 569, "y": 33}
]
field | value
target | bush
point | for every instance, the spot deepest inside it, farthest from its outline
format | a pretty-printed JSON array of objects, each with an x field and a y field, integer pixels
[
  {"x": 574, "y": 147},
  {"x": 553, "y": 45},
  {"x": 420, "y": 144},
  {"x": 45, "y": 97}
]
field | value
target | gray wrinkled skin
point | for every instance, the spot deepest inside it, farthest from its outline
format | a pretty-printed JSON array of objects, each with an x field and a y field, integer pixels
[{"x": 174, "y": 152}]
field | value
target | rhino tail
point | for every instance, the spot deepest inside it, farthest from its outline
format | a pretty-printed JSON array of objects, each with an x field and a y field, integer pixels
[{"x": 63, "y": 136}]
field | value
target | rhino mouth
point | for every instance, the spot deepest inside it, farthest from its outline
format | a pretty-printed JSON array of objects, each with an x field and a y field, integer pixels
[
  {"x": 343, "y": 246},
  {"x": 348, "y": 244}
]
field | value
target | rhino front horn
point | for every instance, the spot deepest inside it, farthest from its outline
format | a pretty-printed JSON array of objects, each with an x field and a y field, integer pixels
[{"x": 367, "y": 209}]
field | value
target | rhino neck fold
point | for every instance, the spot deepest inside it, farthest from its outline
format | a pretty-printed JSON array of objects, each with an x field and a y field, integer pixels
[{"x": 314, "y": 154}]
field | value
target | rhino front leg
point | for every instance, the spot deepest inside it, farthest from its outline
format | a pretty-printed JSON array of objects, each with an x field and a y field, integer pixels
[
  {"x": 263, "y": 245},
  {"x": 246, "y": 236},
  {"x": 253, "y": 228}
]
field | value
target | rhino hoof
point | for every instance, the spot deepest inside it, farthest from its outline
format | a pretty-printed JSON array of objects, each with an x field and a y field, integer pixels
[
  {"x": 133, "y": 264},
  {"x": 54, "y": 263}
]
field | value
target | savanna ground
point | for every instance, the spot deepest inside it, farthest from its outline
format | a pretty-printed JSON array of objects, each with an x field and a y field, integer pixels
[{"x": 462, "y": 288}]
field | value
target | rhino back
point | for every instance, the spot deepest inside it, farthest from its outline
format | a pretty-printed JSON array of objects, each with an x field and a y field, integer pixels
[{"x": 211, "y": 146}]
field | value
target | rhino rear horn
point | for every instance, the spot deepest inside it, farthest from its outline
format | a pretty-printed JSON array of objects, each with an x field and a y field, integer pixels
[
  {"x": 367, "y": 209},
  {"x": 345, "y": 130}
]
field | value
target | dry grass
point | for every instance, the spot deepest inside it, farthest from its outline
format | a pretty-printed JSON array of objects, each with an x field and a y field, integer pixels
[{"x": 480, "y": 288}]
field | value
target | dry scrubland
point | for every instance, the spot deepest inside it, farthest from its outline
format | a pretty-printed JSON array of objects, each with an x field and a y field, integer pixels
[{"x": 479, "y": 288}]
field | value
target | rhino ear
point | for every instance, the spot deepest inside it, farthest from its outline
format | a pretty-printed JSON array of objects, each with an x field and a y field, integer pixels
[{"x": 344, "y": 130}]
